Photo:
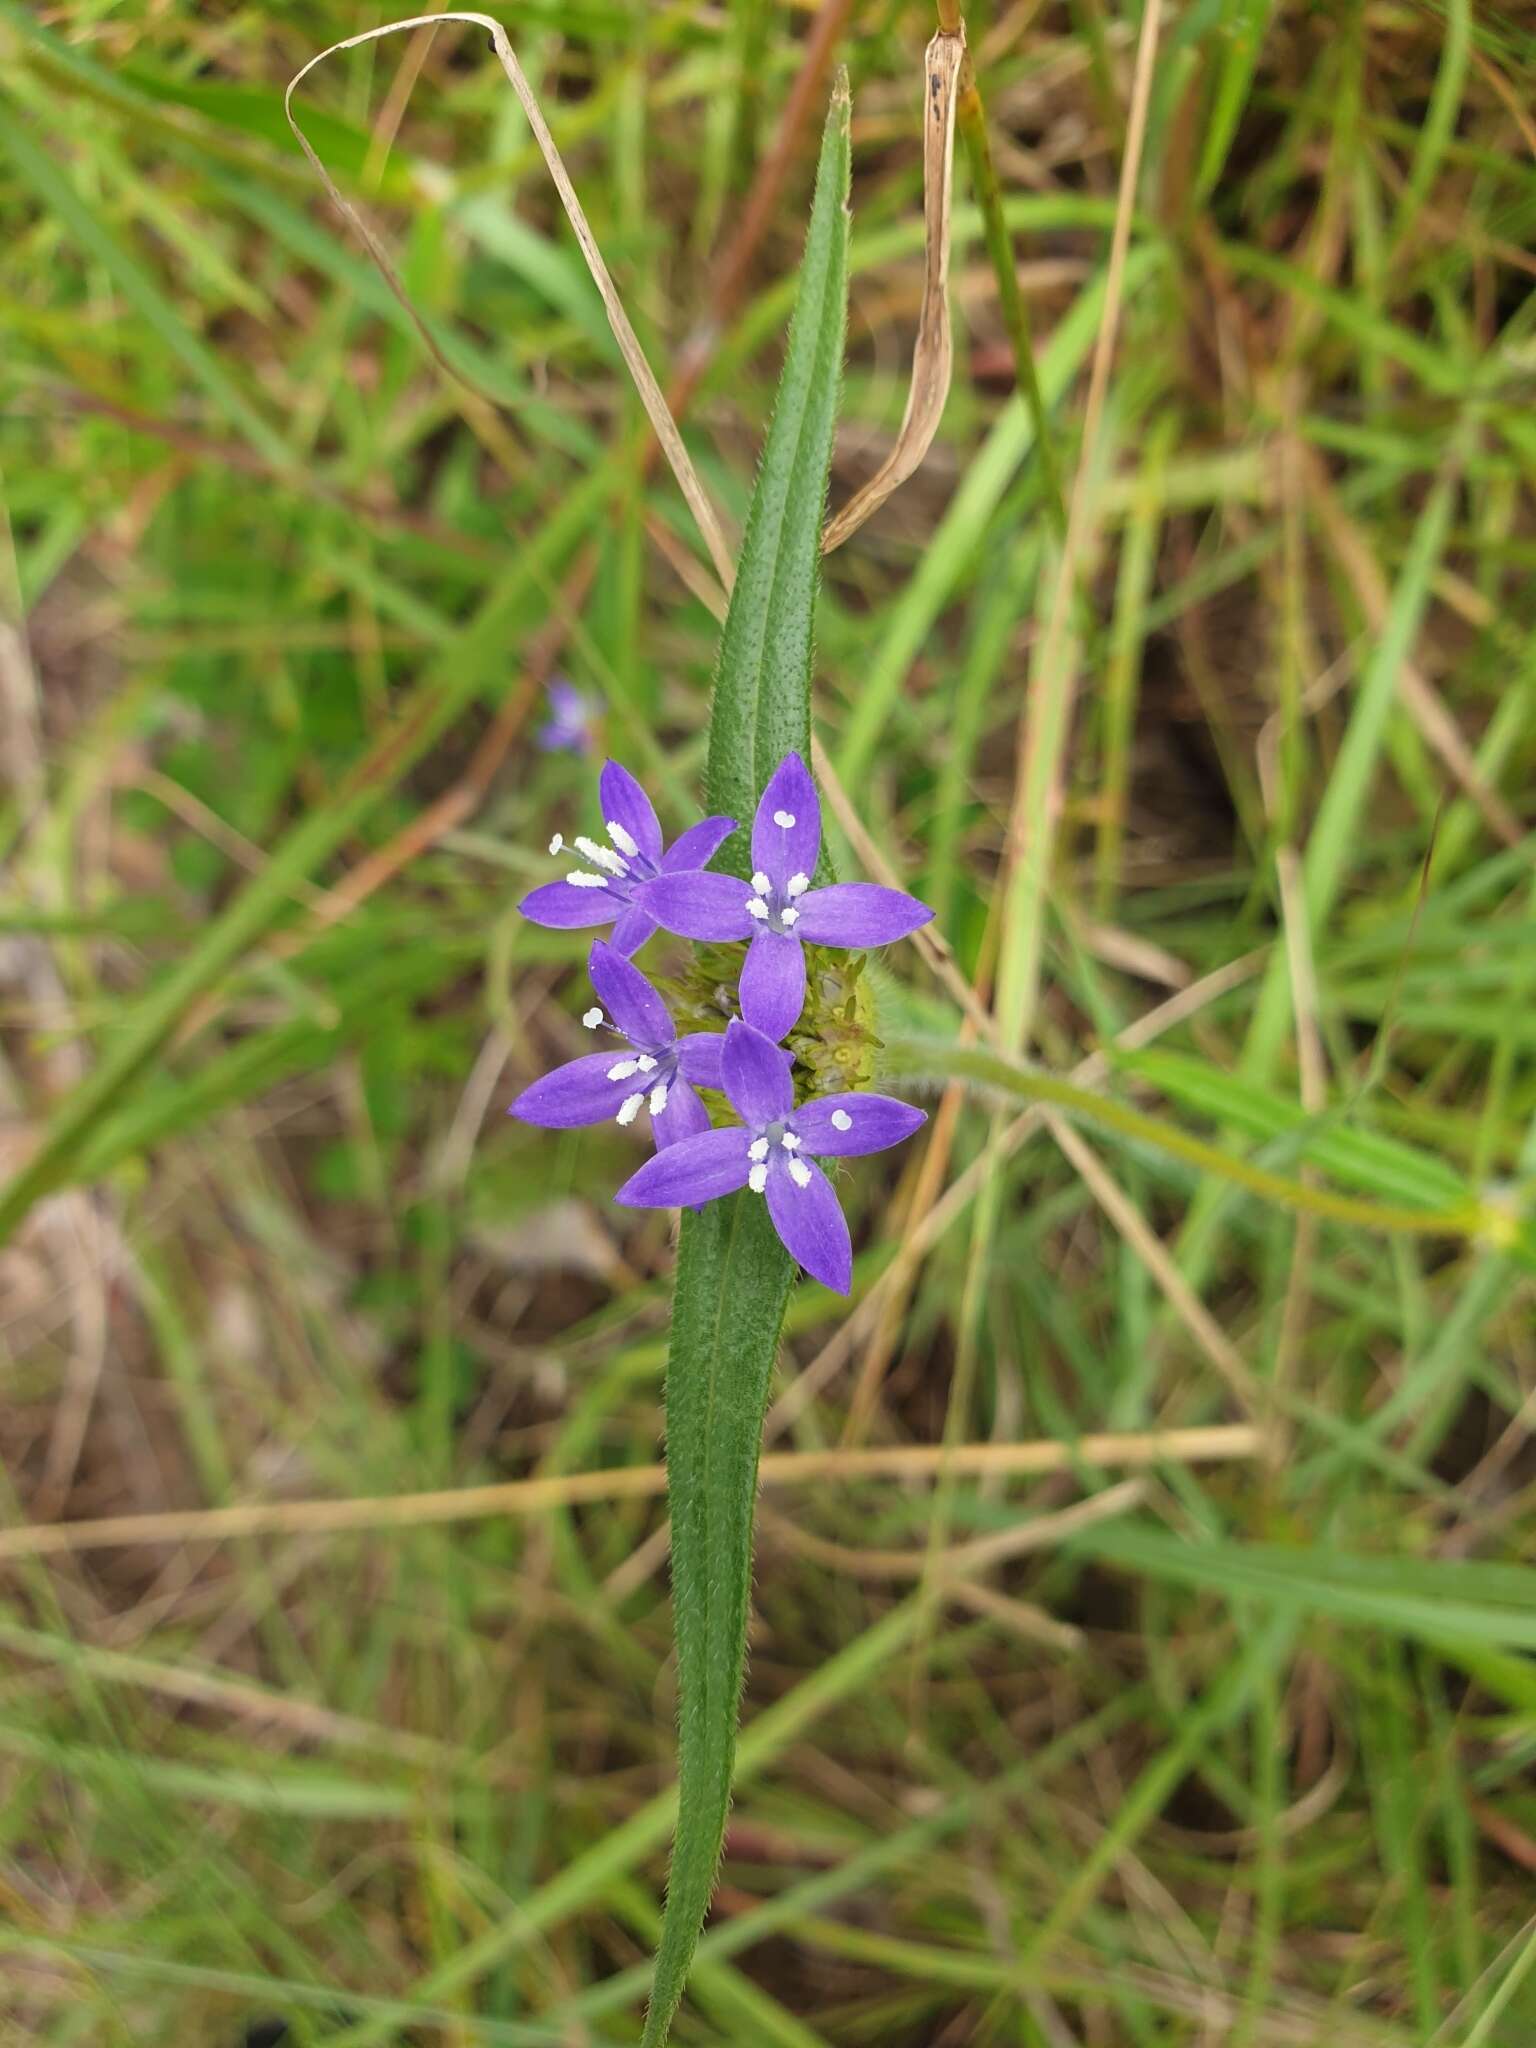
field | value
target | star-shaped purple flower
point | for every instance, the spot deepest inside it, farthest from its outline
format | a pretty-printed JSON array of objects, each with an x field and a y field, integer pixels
[
  {"x": 568, "y": 728},
  {"x": 659, "y": 1071},
  {"x": 780, "y": 909},
  {"x": 606, "y": 890},
  {"x": 770, "y": 1151}
]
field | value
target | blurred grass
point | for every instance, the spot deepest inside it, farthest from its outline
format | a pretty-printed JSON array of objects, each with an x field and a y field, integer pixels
[{"x": 274, "y": 581}]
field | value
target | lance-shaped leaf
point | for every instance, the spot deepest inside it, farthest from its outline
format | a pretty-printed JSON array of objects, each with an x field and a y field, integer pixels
[{"x": 733, "y": 1275}]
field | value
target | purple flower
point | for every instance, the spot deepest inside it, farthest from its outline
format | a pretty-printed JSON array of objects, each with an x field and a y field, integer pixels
[
  {"x": 606, "y": 891},
  {"x": 771, "y": 1150},
  {"x": 659, "y": 1072},
  {"x": 780, "y": 909},
  {"x": 568, "y": 729}
]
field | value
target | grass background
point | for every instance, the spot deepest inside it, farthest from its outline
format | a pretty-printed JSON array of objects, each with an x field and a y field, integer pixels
[{"x": 1243, "y": 1758}]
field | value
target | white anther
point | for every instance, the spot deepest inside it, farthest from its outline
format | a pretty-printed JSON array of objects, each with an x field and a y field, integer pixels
[
  {"x": 757, "y": 908},
  {"x": 797, "y": 885},
  {"x": 758, "y": 1149},
  {"x": 630, "y": 1108},
  {"x": 788, "y": 917},
  {"x": 790, "y": 1142},
  {"x": 592, "y": 1018},
  {"x": 799, "y": 1173},
  {"x": 658, "y": 1098},
  {"x": 757, "y": 1179},
  {"x": 557, "y": 844},
  {"x": 841, "y": 1120},
  {"x": 621, "y": 839},
  {"x": 761, "y": 885},
  {"x": 600, "y": 856},
  {"x": 784, "y": 819},
  {"x": 623, "y": 1070},
  {"x": 580, "y": 879},
  {"x": 646, "y": 1064}
]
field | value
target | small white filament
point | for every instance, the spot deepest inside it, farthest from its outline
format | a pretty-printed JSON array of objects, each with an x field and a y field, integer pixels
[
  {"x": 757, "y": 908},
  {"x": 788, "y": 917},
  {"x": 797, "y": 885},
  {"x": 758, "y": 1149},
  {"x": 580, "y": 879},
  {"x": 646, "y": 1064},
  {"x": 790, "y": 1142},
  {"x": 761, "y": 884},
  {"x": 784, "y": 819},
  {"x": 841, "y": 1120},
  {"x": 592, "y": 1018},
  {"x": 659, "y": 1098},
  {"x": 630, "y": 1108},
  {"x": 600, "y": 856},
  {"x": 557, "y": 844},
  {"x": 623, "y": 1070},
  {"x": 621, "y": 839},
  {"x": 757, "y": 1179},
  {"x": 799, "y": 1173}
]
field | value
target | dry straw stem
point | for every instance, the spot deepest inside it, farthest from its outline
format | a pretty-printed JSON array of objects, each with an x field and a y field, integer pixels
[
  {"x": 1030, "y": 821},
  {"x": 657, "y": 410},
  {"x": 571, "y": 1489},
  {"x": 933, "y": 351}
]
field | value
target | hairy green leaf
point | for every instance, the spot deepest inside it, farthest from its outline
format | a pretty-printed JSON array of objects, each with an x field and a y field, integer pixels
[{"x": 733, "y": 1275}]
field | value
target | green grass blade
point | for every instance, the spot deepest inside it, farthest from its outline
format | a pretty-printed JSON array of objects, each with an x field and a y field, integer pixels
[{"x": 733, "y": 1275}]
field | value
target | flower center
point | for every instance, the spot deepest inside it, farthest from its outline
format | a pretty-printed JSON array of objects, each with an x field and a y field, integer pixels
[
  {"x": 618, "y": 868},
  {"x": 776, "y": 1144},
  {"x": 773, "y": 907}
]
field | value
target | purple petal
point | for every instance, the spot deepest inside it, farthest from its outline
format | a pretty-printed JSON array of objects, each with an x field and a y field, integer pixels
[
  {"x": 578, "y": 1093},
  {"x": 779, "y": 851},
  {"x": 811, "y": 1223},
  {"x": 564, "y": 907},
  {"x": 627, "y": 804},
  {"x": 697, "y": 1170},
  {"x": 632, "y": 1004},
  {"x": 696, "y": 905},
  {"x": 631, "y": 931},
  {"x": 756, "y": 1076},
  {"x": 683, "y": 1117},
  {"x": 859, "y": 914},
  {"x": 870, "y": 1123},
  {"x": 698, "y": 1055},
  {"x": 698, "y": 845},
  {"x": 773, "y": 983}
]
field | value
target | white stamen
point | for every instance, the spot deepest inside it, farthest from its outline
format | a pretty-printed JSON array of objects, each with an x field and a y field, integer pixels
[
  {"x": 592, "y": 1018},
  {"x": 757, "y": 908},
  {"x": 788, "y": 917},
  {"x": 600, "y": 856},
  {"x": 797, "y": 885},
  {"x": 784, "y": 819},
  {"x": 761, "y": 884},
  {"x": 646, "y": 1064},
  {"x": 580, "y": 879},
  {"x": 757, "y": 1179},
  {"x": 557, "y": 844},
  {"x": 758, "y": 1149},
  {"x": 659, "y": 1098},
  {"x": 621, "y": 839},
  {"x": 623, "y": 1070},
  {"x": 841, "y": 1120},
  {"x": 630, "y": 1108},
  {"x": 790, "y": 1142},
  {"x": 799, "y": 1173}
]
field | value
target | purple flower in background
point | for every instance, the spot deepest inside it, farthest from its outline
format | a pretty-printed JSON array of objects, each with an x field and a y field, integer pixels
[
  {"x": 780, "y": 909},
  {"x": 658, "y": 1073},
  {"x": 606, "y": 890},
  {"x": 568, "y": 728},
  {"x": 771, "y": 1151}
]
